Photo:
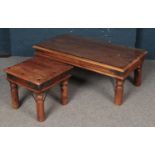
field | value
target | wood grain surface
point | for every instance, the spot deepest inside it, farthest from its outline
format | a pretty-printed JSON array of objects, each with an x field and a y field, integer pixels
[
  {"x": 38, "y": 70},
  {"x": 102, "y": 52}
]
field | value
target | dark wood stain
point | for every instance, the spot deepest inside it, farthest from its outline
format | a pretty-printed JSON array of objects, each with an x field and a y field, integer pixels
[
  {"x": 102, "y": 52},
  {"x": 38, "y": 75},
  {"x": 105, "y": 58},
  {"x": 38, "y": 70}
]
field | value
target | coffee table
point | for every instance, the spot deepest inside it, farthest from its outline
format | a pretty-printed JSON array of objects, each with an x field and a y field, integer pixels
[
  {"x": 38, "y": 76},
  {"x": 105, "y": 58}
]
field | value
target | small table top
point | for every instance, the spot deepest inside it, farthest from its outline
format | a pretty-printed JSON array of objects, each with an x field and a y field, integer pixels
[
  {"x": 37, "y": 70},
  {"x": 102, "y": 52}
]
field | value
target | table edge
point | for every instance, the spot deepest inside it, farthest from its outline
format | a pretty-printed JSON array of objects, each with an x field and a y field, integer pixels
[{"x": 94, "y": 62}]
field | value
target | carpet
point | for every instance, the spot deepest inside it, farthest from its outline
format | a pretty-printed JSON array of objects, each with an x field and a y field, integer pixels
[{"x": 91, "y": 104}]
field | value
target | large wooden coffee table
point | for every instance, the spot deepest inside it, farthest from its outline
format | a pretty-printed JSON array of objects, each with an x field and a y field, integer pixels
[{"x": 101, "y": 57}]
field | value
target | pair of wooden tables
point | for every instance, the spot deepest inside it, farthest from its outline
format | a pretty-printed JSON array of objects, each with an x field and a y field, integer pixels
[
  {"x": 49, "y": 67},
  {"x": 105, "y": 58}
]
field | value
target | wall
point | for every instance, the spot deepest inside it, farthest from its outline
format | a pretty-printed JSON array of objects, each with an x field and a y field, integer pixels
[
  {"x": 5, "y": 48},
  {"x": 23, "y": 39},
  {"x": 20, "y": 41},
  {"x": 146, "y": 40}
]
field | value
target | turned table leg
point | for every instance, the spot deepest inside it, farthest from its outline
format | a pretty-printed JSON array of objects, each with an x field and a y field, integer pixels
[
  {"x": 119, "y": 92},
  {"x": 14, "y": 95},
  {"x": 64, "y": 92},
  {"x": 40, "y": 107},
  {"x": 138, "y": 76}
]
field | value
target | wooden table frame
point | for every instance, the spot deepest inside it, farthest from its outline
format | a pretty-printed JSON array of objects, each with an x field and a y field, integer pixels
[
  {"x": 120, "y": 74},
  {"x": 37, "y": 76}
]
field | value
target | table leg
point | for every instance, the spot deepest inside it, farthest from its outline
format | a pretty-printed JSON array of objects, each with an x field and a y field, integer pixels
[
  {"x": 14, "y": 95},
  {"x": 138, "y": 76},
  {"x": 119, "y": 91},
  {"x": 40, "y": 107},
  {"x": 64, "y": 92}
]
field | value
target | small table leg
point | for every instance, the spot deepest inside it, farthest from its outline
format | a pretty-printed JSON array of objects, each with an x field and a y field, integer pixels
[
  {"x": 138, "y": 76},
  {"x": 64, "y": 92},
  {"x": 14, "y": 95},
  {"x": 40, "y": 107},
  {"x": 119, "y": 91}
]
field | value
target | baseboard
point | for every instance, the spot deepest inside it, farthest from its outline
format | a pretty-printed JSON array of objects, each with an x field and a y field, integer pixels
[{"x": 5, "y": 55}]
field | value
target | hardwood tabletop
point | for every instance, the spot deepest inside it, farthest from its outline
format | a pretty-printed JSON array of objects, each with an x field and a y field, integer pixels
[
  {"x": 38, "y": 70},
  {"x": 102, "y": 52}
]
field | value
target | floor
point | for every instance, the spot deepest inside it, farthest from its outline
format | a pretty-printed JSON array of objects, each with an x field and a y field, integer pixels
[{"x": 91, "y": 101}]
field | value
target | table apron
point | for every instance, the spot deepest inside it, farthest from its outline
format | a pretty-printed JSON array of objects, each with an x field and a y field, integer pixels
[{"x": 83, "y": 64}]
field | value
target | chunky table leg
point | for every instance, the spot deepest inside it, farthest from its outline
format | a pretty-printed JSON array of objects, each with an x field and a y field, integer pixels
[
  {"x": 40, "y": 107},
  {"x": 14, "y": 95},
  {"x": 138, "y": 76},
  {"x": 64, "y": 92},
  {"x": 119, "y": 92}
]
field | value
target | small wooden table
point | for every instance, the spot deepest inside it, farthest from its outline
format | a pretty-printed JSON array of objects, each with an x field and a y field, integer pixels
[
  {"x": 38, "y": 75},
  {"x": 101, "y": 57}
]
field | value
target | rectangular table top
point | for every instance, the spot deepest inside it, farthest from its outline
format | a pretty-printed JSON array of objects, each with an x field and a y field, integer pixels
[
  {"x": 38, "y": 71},
  {"x": 102, "y": 52}
]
